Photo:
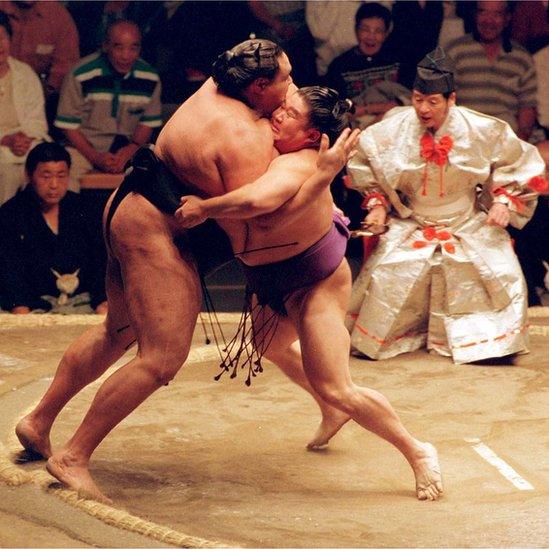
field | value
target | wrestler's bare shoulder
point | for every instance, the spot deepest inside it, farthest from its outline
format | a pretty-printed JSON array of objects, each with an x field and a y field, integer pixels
[
  {"x": 210, "y": 104},
  {"x": 237, "y": 124},
  {"x": 304, "y": 160},
  {"x": 242, "y": 139},
  {"x": 304, "y": 155},
  {"x": 205, "y": 111},
  {"x": 218, "y": 124},
  {"x": 248, "y": 130}
]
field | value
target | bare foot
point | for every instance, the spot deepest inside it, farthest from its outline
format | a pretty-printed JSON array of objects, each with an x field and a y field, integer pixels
[
  {"x": 427, "y": 472},
  {"x": 75, "y": 476},
  {"x": 32, "y": 439},
  {"x": 331, "y": 423}
]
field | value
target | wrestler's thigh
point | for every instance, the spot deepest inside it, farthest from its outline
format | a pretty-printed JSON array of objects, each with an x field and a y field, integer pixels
[
  {"x": 283, "y": 340},
  {"x": 318, "y": 314},
  {"x": 331, "y": 294},
  {"x": 117, "y": 321},
  {"x": 163, "y": 295}
]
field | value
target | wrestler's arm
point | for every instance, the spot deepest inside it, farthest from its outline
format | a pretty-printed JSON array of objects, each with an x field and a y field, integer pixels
[
  {"x": 285, "y": 176},
  {"x": 293, "y": 208},
  {"x": 281, "y": 181},
  {"x": 244, "y": 153},
  {"x": 304, "y": 172}
]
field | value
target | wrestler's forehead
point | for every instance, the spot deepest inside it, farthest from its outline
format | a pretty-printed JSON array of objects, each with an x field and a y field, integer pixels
[
  {"x": 284, "y": 66},
  {"x": 296, "y": 103}
]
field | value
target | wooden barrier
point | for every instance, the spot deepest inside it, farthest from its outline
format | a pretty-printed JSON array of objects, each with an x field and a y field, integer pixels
[{"x": 99, "y": 180}]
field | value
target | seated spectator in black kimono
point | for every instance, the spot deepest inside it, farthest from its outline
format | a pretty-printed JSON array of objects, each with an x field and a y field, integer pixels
[{"x": 49, "y": 257}]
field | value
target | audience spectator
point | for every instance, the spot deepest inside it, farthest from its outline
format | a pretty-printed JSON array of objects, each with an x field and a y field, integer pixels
[
  {"x": 92, "y": 19},
  {"x": 47, "y": 251},
  {"x": 541, "y": 62},
  {"x": 153, "y": 19},
  {"x": 530, "y": 23},
  {"x": 109, "y": 104},
  {"x": 532, "y": 243},
  {"x": 453, "y": 25},
  {"x": 331, "y": 22},
  {"x": 495, "y": 75},
  {"x": 285, "y": 25},
  {"x": 416, "y": 30},
  {"x": 366, "y": 73},
  {"x": 45, "y": 37},
  {"x": 22, "y": 116}
]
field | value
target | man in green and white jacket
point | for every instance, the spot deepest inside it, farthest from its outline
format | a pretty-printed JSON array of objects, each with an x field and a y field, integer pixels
[{"x": 109, "y": 104}]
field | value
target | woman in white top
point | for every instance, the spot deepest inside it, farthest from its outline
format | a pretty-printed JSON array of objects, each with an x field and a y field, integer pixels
[{"x": 22, "y": 116}]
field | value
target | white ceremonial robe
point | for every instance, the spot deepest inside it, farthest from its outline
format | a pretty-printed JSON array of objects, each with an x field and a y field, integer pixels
[{"x": 459, "y": 292}]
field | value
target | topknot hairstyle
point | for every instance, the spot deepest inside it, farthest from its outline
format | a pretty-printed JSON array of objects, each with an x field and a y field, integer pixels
[
  {"x": 237, "y": 68},
  {"x": 327, "y": 113}
]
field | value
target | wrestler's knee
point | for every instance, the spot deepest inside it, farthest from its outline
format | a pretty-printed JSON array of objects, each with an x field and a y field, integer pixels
[
  {"x": 281, "y": 355},
  {"x": 119, "y": 337},
  {"x": 98, "y": 341},
  {"x": 162, "y": 366},
  {"x": 160, "y": 372},
  {"x": 343, "y": 397},
  {"x": 72, "y": 356}
]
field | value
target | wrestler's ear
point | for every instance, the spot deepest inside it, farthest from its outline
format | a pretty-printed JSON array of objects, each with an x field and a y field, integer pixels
[
  {"x": 261, "y": 83},
  {"x": 313, "y": 136}
]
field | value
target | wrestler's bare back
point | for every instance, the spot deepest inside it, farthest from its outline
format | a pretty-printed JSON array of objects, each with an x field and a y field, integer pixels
[{"x": 216, "y": 144}]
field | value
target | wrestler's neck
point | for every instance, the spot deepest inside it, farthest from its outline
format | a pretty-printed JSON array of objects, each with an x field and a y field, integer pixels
[
  {"x": 285, "y": 147},
  {"x": 259, "y": 108}
]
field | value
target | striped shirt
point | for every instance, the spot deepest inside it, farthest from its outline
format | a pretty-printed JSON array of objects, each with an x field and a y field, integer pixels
[
  {"x": 102, "y": 104},
  {"x": 500, "y": 87}
]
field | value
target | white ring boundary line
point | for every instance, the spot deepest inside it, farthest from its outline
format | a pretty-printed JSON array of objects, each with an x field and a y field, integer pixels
[{"x": 502, "y": 466}]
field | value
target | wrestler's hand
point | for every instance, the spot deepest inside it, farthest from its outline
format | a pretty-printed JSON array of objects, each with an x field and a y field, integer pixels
[
  {"x": 190, "y": 213},
  {"x": 377, "y": 216},
  {"x": 498, "y": 215},
  {"x": 332, "y": 160}
]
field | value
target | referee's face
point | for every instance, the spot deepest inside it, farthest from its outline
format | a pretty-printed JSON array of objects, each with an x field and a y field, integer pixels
[{"x": 432, "y": 109}]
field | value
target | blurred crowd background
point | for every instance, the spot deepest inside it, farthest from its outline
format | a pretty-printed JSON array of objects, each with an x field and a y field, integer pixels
[{"x": 95, "y": 80}]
